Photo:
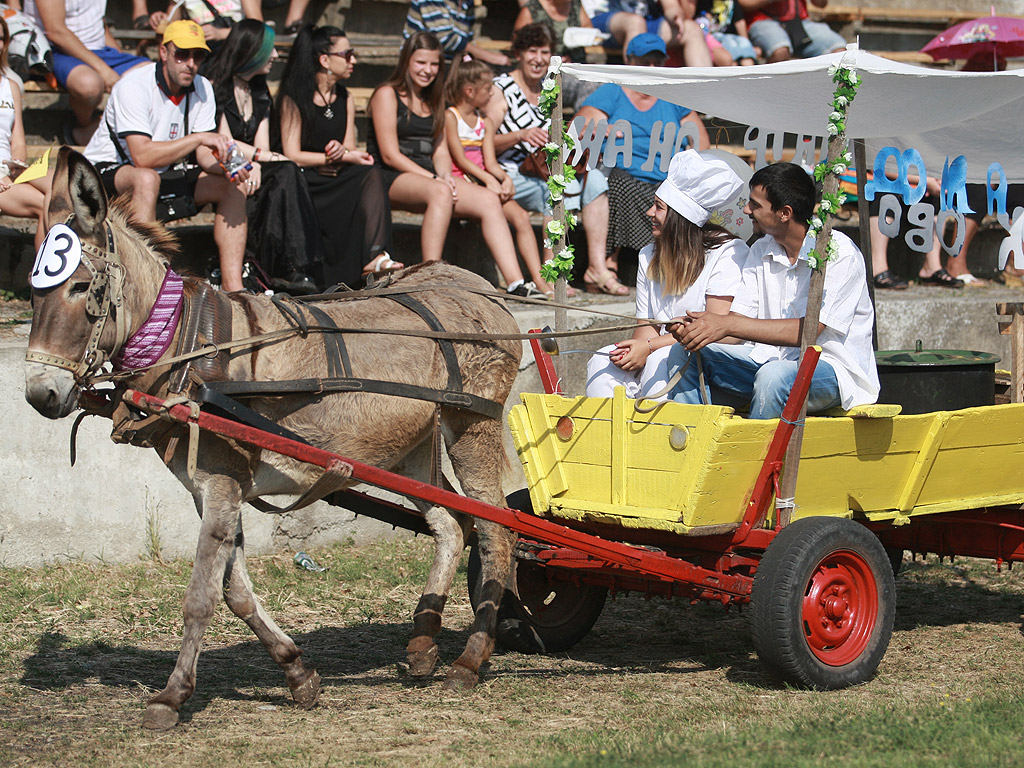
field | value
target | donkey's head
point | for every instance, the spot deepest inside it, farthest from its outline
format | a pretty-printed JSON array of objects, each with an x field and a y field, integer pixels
[{"x": 82, "y": 304}]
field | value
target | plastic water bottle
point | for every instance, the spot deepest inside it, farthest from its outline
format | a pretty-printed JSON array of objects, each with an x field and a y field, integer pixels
[
  {"x": 234, "y": 162},
  {"x": 303, "y": 560}
]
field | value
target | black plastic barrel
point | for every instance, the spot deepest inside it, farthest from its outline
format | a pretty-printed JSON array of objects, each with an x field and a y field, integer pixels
[{"x": 925, "y": 380}]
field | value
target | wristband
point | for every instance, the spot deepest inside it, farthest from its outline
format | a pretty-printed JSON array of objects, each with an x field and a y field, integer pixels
[
  {"x": 256, "y": 154},
  {"x": 649, "y": 345}
]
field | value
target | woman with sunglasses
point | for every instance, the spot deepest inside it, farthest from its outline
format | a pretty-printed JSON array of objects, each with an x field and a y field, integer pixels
[
  {"x": 318, "y": 131},
  {"x": 407, "y": 138},
  {"x": 284, "y": 234},
  {"x": 21, "y": 200}
]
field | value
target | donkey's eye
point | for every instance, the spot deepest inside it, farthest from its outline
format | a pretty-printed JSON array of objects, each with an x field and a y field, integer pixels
[{"x": 78, "y": 288}]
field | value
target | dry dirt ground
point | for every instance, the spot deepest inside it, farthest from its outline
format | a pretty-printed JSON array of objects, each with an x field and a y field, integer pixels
[
  {"x": 84, "y": 645},
  {"x": 15, "y": 314}
]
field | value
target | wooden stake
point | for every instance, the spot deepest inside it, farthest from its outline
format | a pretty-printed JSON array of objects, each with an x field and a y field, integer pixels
[{"x": 558, "y": 166}]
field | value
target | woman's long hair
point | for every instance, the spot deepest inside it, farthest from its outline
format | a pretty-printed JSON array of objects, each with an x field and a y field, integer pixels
[
  {"x": 298, "y": 83},
  {"x": 679, "y": 252},
  {"x": 7, "y": 42},
  {"x": 402, "y": 82},
  {"x": 247, "y": 49}
]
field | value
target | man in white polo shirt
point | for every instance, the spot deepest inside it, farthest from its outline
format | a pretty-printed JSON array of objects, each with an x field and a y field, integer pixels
[
  {"x": 769, "y": 310},
  {"x": 158, "y": 141}
]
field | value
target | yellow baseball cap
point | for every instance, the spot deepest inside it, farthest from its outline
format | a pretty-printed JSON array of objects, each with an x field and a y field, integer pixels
[{"x": 185, "y": 34}]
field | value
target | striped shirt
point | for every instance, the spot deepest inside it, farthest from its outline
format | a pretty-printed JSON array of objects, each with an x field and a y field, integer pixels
[
  {"x": 520, "y": 114},
  {"x": 450, "y": 20}
]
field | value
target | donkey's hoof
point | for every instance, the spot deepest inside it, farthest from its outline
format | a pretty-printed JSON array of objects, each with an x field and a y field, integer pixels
[
  {"x": 422, "y": 663},
  {"x": 306, "y": 693},
  {"x": 159, "y": 717},
  {"x": 460, "y": 678}
]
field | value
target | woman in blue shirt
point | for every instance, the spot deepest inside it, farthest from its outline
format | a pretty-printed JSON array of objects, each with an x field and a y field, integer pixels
[{"x": 631, "y": 188}]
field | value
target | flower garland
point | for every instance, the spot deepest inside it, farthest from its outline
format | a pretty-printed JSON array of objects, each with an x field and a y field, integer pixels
[
  {"x": 835, "y": 165},
  {"x": 557, "y": 231}
]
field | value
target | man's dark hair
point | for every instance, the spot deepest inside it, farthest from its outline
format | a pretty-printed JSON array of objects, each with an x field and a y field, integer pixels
[{"x": 787, "y": 184}]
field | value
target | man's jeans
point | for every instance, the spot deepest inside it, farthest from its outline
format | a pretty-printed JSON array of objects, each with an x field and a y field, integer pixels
[{"x": 734, "y": 378}]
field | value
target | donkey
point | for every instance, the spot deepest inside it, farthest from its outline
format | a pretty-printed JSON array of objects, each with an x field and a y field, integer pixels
[{"x": 378, "y": 429}]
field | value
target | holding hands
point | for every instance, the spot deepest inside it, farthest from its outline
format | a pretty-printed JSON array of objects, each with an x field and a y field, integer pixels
[{"x": 698, "y": 329}]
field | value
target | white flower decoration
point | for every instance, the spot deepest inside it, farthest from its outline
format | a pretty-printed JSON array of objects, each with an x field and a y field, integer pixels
[
  {"x": 842, "y": 101},
  {"x": 551, "y": 146},
  {"x": 836, "y": 116},
  {"x": 565, "y": 253},
  {"x": 547, "y": 245},
  {"x": 825, "y": 206},
  {"x": 555, "y": 229},
  {"x": 816, "y": 223},
  {"x": 833, "y": 129}
]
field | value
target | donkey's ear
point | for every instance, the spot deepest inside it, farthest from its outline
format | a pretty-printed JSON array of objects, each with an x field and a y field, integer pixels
[
  {"x": 84, "y": 192},
  {"x": 58, "y": 207}
]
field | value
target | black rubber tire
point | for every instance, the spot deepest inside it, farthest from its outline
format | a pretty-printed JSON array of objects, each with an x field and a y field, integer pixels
[
  {"x": 823, "y": 604},
  {"x": 538, "y": 616}
]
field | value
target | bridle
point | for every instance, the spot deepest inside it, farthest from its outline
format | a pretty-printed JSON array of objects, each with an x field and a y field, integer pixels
[{"x": 105, "y": 297}]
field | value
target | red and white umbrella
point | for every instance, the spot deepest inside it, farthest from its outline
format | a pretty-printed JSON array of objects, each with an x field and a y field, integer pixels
[{"x": 996, "y": 36}]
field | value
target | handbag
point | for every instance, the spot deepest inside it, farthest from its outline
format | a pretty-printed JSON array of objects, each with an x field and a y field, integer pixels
[{"x": 535, "y": 164}]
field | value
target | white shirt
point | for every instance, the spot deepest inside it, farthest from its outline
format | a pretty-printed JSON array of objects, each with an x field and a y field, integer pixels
[
  {"x": 774, "y": 289},
  {"x": 720, "y": 277},
  {"x": 6, "y": 117},
  {"x": 139, "y": 104},
  {"x": 84, "y": 18}
]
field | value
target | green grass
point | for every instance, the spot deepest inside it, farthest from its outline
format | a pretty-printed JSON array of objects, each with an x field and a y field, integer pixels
[{"x": 656, "y": 683}]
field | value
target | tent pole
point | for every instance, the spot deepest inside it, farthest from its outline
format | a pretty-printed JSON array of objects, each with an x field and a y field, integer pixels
[
  {"x": 864, "y": 218},
  {"x": 558, "y": 212}
]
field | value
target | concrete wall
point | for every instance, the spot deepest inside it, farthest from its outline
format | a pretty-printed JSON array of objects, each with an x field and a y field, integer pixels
[{"x": 119, "y": 502}]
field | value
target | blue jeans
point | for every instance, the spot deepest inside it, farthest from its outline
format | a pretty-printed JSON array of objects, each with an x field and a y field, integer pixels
[
  {"x": 769, "y": 35},
  {"x": 735, "y": 379}
]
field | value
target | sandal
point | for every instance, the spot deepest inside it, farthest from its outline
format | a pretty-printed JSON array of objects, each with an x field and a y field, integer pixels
[
  {"x": 943, "y": 278},
  {"x": 140, "y": 22},
  {"x": 1010, "y": 280},
  {"x": 570, "y": 292},
  {"x": 889, "y": 280},
  {"x": 294, "y": 27},
  {"x": 605, "y": 283},
  {"x": 383, "y": 264}
]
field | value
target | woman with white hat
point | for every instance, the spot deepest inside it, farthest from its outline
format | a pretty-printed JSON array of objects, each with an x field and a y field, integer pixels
[{"x": 692, "y": 265}]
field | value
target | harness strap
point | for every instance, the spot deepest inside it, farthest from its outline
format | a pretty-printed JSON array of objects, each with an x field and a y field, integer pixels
[
  {"x": 334, "y": 478},
  {"x": 447, "y": 348},
  {"x": 338, "y": 363},
  {"x": 456, "y": 399}
]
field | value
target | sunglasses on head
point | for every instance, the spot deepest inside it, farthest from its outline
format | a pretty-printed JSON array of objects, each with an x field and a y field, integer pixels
[
  {"x": 347, "y": 54},
  {"x": 198, "y": 55}
]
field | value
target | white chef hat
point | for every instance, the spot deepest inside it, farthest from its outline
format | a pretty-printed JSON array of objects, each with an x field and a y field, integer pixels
[{"x": 697, "y": 185}]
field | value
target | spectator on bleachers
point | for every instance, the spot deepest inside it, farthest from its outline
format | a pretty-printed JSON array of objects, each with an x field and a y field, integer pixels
[
  {"x": 407, "y": 138},
  {"x": 318, "y": 131},
  {"x": 631, "y": 189},
  {"x": 671, "y": 20},
  {"x": 216, "y": 17},
  {"x": 723, "y": 23},
  {"x": 470, "y": 135},
  {"x": 86, "y": 61},
  {"x": 522, "y": 129},
  {"x": 159, "y": 143},
  {"x": 451, "y": 22},
  {"x": 559, "y": 15},
  {"x": 293, "y": 20},
  {"x": 782, "y": 29},
  {"x": 283, "y": 234},
  {"x": 21, "y": 200}
]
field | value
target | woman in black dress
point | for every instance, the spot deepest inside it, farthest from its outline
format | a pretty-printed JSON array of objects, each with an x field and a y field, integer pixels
[
  {"x": 284, "y": 234},
  {"x": 317, "y": 126}
]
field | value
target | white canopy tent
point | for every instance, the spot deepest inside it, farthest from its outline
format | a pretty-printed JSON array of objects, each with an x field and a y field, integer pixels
[{"x": 941, "y": 114}]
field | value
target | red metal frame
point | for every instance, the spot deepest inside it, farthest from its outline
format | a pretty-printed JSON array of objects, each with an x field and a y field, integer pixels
[{"x": 545, "y": 366}]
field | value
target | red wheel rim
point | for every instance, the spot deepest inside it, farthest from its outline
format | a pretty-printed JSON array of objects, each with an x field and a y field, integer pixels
[{"x": 840, "y": 608}]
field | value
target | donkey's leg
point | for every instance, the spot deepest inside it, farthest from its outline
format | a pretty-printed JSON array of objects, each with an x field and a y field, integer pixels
[
  {"x": 238, "y": 594},
  {"x": 219, "y": 500},
  {"x": 478, "y": 458},
  {"x": 449, "y": 541}
]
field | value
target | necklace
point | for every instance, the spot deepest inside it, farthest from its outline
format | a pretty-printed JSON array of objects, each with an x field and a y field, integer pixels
[
  {"x": 243, "y": 98},
  {"x": 328, "y": 112}
]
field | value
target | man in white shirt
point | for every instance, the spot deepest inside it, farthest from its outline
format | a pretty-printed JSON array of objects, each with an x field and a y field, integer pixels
[
  {"x": 769, "y": 310},
  {"x": 156, "y": 119},
  {"x": 85, "y": 61}
]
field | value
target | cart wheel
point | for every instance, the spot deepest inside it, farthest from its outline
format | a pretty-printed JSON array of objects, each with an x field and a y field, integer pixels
[
  {"x": 823, "y": 603},
  {"x": 538, "y": 615},
  {"x": 895, "y": 559}
]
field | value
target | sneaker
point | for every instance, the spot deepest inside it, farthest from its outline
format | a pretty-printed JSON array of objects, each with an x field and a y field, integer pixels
[{"x": 528, "y": 291}]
